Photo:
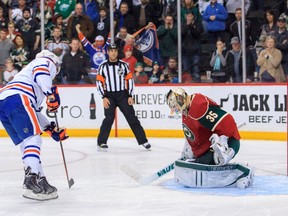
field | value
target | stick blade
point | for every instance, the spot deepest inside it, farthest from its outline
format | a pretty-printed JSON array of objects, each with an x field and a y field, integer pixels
[
  {"x": 71, "y": 182},
  {"x": 136, "y": 176},
  {"x": 130, "y": 172}
]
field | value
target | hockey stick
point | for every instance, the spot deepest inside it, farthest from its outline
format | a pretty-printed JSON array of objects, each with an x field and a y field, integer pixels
[
  {"x": 70, "y": 181},
  {"x": 145, "y": 180}
]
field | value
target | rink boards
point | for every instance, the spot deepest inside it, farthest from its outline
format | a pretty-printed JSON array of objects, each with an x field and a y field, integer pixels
[{"x": 263, "y": 109}]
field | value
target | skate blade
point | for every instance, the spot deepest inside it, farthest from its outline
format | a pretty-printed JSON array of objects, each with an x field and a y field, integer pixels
[
  {"x": 102, "y": 149},
  {"x": 29, "y": 194}
]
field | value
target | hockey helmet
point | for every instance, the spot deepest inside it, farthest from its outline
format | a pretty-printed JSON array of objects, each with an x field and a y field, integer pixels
[
  {"x": 176, "y": 99},
  {"x": 50, "y": 55}
]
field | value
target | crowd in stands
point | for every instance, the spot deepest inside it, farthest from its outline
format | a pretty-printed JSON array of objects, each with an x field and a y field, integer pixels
[{"x": 211, "y": 35}]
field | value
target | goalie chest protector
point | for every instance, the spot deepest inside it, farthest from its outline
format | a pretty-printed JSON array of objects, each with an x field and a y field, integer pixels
[{"x": 204, "y": 118}]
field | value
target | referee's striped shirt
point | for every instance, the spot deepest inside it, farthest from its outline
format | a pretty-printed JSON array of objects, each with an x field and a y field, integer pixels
[{"x": 114, "y": 77}]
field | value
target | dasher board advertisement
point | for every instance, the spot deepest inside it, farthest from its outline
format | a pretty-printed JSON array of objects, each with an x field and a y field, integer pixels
[{"x": 263, "y": 108}]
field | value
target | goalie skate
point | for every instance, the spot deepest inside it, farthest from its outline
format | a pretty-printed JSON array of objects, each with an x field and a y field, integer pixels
[
  {"x": 246, "y": 181},
  {"x": 37, "y": 188}
]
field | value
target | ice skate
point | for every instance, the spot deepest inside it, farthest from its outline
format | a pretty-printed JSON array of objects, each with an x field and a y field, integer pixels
[
  {"x": 47, "y": 188},
  {"x": 37, "y": 189},
  {"x": 102, "y": 147},
  {"x": 146, "y": 145},
  {"x": 246, "y": 181}
]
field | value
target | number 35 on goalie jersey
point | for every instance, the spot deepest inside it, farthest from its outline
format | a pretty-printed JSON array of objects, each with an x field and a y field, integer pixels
[{"x": 204, "y": 118}]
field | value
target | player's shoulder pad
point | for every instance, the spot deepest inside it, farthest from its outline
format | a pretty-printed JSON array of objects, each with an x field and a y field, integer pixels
[{"x": 198, "y": 106}]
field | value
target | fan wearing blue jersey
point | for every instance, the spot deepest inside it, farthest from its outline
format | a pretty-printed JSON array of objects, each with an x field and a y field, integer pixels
[
  {"x": 20, "y": 101},
  {"x": 97, "y": 51}
]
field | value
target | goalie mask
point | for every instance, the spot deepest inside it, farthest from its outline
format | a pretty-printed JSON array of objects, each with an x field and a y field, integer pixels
[
  {"x": 55, "y": 59},
  {"x": 176, "y": 99}
]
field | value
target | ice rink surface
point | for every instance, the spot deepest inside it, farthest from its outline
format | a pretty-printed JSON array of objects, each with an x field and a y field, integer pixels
[{"x": 101, "y": 188}]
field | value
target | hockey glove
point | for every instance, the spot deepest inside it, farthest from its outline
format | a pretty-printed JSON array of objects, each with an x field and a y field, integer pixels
[
  {"x": 57, "y": 134},
  {"x": 222, "y": 153},
  {"x": 53, "y": 100}
]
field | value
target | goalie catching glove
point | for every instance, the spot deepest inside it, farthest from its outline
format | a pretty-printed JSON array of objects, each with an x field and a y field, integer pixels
[
  {"x": 57, "y": 134},
  {"x": 222, "y": 153},
  {"x": 53, "y": 99}
]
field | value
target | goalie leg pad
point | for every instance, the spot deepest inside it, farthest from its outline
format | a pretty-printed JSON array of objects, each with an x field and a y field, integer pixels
[{"x": 192, "y": 174}]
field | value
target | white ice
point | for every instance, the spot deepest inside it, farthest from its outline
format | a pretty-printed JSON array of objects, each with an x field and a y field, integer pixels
[{"x": 101, "y": 188}]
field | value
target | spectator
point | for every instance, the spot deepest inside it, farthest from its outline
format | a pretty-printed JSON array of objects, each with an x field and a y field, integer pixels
[
  {"x": 167, "y": 36},
  {"x": 102, "y": 24},
  {"x": 215, "y": 15},
  {"x": 97, "y": 51},
  {"x": 136, "y": 52},
  {"x": 17, "y": 10},
  {"x": 155, "y": 74},
  {"x": 57, "y": 20},
  {"x": 11, "y": 31},
  {"x": 47, "y": 13},
  {"x": 87, "y": 26},
  {"x": 269, "y": 61},
  {"x": 236, "y": 28},
  {"x": 169, "y": 8},
  {"x": 232, "y": 6},
  {"x": 5, "y": 46},
  {"x": 270, "y": 28},
  {"x": 170, "y": 72},
  {"x": 144, "y": 13},
  {"x": 259, "y": 46},
  {"x": 75, "y": 64},
  {"x": 121, "y": 37},
  {"x": 191, "y": 47},
  {"x": 20, "y": 53},
  {"x": 115, "y": 7},
  {"x": 29, "y": 28},
  {"x": 9, "y": 72},
  {"x": 234, "y": 63},
  {"x": 4, "y": 5},
  {"x": 189, "y": 5},
  {"x": 57, "y": 44},
  {"x": 202, "y": 5},
  {"x": 90, "y": 9},
  {"x": 282, "y": 42},
  {"x": 3, "y": 20},
  {"x": 129, "y": 58},
  {"x": 218, "y": 63},
  {"x": 125, "y": 19},
  {"x": 140, "y": 76}
]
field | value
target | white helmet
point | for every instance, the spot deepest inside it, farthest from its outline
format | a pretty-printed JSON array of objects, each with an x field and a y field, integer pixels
[
  {"x": 176, "y": 99},
  {"x": 51, "y": 56}
]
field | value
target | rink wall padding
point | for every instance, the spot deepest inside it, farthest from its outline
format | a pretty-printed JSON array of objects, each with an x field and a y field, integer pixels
[{"x": 262, "y": 107}]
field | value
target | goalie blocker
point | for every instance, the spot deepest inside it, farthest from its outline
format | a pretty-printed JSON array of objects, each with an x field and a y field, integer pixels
[{"x": 192, "y": 174}]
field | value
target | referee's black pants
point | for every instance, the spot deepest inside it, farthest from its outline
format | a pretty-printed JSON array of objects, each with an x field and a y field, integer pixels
[{"x": 120, "y": 99}]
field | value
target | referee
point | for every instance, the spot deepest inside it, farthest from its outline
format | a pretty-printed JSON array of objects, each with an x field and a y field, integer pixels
[{"x": 115, "y": 84}]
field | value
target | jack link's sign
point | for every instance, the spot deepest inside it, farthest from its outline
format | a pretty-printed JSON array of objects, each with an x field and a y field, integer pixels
[{"x": 262, "y": 108}]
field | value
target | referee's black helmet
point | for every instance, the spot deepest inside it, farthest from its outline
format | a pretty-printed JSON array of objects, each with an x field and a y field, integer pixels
[{"x": 112, "y": 46}]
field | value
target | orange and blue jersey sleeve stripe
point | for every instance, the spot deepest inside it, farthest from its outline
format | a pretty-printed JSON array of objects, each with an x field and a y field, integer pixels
[
  {"x": 21, "y": 87},
  {"x": 39, "y": 70}
]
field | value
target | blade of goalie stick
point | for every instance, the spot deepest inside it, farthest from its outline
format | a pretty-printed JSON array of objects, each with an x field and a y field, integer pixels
[{"x": 146, "y": 180}]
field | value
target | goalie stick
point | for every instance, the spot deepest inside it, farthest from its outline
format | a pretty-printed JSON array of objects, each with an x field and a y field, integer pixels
[
  {"x": 70, "y": 181},
  {"x": 146, "y": 180}
]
